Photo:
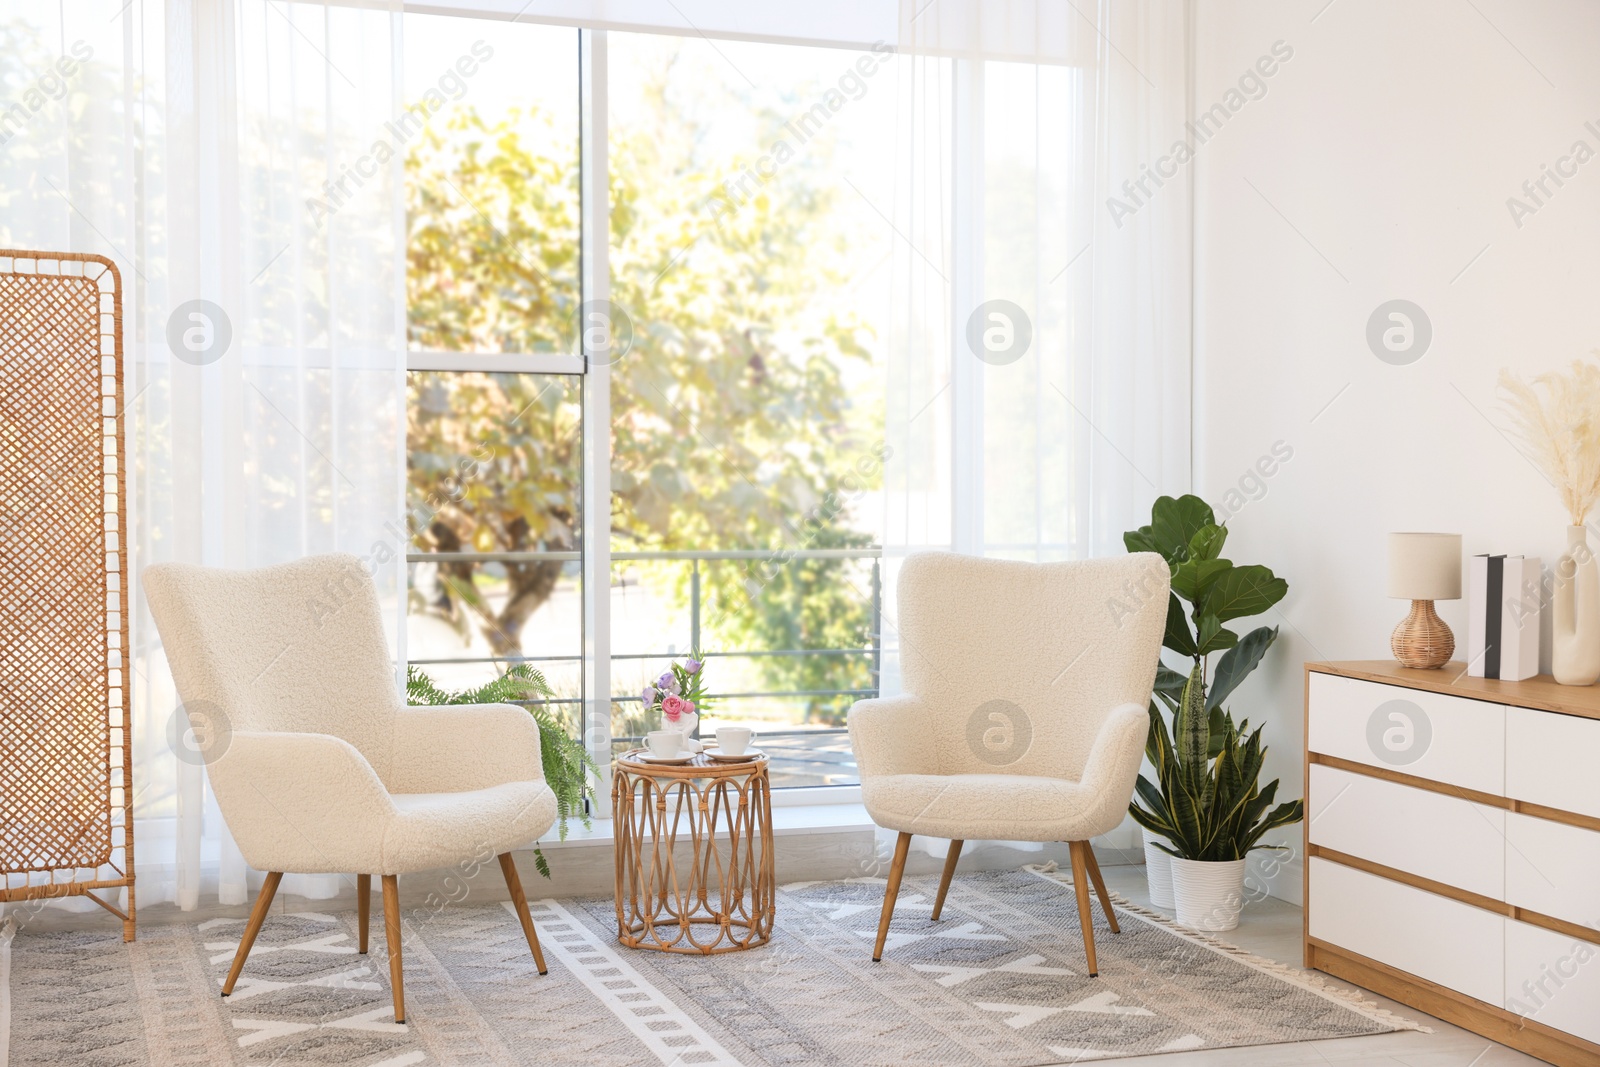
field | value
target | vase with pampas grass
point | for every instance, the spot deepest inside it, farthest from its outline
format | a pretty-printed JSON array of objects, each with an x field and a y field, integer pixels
[{"x": 1561, "y": 428}]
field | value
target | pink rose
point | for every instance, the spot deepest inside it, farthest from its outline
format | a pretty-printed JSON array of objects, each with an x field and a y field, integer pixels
[{"x": 675, "y": 707}]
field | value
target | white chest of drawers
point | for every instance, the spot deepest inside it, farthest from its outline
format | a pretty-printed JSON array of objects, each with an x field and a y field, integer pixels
[{"x": 1452, "y": 844}]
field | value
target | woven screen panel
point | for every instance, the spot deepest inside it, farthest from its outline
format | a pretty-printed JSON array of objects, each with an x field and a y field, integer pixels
[{"x": 65, "y": 761}]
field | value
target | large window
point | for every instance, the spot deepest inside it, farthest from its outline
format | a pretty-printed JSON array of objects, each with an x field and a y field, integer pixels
[{"x": 747, "y": 189}]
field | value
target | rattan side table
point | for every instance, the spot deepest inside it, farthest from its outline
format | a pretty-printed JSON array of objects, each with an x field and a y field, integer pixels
[{"x": 695, "y": 870}]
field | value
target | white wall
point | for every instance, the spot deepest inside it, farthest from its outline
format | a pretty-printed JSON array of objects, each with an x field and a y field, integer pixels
[{"x": 1377, "y": 166}]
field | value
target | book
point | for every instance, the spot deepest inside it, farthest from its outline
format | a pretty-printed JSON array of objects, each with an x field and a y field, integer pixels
[
  {"x": 1494, "y": 616},
  {"x": 1519, "y": 618},
  {"x": 1503, "y": 602},
  {"x": 1478, "y": 613}
]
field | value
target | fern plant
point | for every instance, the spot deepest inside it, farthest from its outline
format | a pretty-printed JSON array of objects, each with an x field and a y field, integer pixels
[{"x": 567, "y": 764}]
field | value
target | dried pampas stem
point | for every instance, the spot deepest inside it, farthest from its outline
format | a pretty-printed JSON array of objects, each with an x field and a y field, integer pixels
[{"x": 1562, "y": 430}]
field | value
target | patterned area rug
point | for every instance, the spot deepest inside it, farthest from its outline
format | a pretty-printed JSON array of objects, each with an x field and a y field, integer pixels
[{"x": 998, "y": 980}]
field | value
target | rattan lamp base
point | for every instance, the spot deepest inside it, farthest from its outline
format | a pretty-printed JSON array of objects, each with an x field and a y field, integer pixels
[{"x": 1422, "y": 639}]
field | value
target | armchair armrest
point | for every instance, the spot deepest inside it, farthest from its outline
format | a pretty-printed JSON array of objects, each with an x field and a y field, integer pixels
[
  {"x": 891, "y": 735},
  {"x": 306, "y": 803},
  {"x": 453, "y": 748},
  {"x": 1113, "y": 764}
]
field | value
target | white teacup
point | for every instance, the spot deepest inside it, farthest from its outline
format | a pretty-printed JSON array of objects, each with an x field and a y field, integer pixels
[
  {"x": 734, "y": 740},
  {"x": 664, "y": 743}
]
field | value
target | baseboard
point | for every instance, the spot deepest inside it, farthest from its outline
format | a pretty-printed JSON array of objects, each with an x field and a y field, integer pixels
[{"x": 1276, "y": 874}]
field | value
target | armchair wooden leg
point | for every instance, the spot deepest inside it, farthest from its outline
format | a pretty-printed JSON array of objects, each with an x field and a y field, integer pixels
[
  {"x": 950, "y": 858},
  {"x": 1080, "y": 882},
  {"x": 364, "y": 907},
  {"x": 1100, "y": 887},
  {"x": 897, "y": 867},
  {"x": 258, "y": 915},
  {"x": 391, "y": 934},
  {"x": 519, "y": 900}
]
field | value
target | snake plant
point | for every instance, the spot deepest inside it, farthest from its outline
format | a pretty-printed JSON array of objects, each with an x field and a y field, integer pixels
[{"x": 1207, "y": 803}]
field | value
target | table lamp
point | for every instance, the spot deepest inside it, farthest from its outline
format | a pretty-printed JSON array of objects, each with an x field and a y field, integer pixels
[{"x": 1424, "y": 567}]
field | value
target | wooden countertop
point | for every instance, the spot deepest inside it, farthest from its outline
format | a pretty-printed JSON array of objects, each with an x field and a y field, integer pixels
[{"x": 1541, "y": 691}]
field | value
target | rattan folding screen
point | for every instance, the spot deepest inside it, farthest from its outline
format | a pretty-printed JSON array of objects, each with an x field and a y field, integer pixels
[{"x": 66, "y": 765}]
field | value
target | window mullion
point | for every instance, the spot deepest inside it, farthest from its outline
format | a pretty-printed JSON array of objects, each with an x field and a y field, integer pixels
[{"x": 596, "y": 282}]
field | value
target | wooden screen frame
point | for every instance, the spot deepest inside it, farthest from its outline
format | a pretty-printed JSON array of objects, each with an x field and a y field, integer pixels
[{"x": 67, "y": 305}]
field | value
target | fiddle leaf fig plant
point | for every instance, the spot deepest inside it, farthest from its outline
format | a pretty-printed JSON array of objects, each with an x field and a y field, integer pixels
[
  {"x": 1208, "y": 590},
  {"x": 1206, "y": 767}
]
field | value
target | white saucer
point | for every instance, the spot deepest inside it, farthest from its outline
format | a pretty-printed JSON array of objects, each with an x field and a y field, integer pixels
[
  {"x": 723, "y": 757},
  {"x": 645, "y": 757}
]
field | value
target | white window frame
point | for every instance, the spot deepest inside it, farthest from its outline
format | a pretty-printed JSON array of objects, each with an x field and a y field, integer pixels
[
  {"x": 494, "y": 362},
  {"x": 594, "y": 169}
]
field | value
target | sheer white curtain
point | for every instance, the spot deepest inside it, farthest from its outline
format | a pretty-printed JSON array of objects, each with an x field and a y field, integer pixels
[
  {"x": 234, "y": 158},
  {"x": 1039, "y": 360}
]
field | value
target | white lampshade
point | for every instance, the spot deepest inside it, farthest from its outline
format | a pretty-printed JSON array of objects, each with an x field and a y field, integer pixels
[{"x": 1425, "y": 566}]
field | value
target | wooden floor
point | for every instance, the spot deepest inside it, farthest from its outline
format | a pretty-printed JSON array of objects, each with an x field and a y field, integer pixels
[{"x": 1271, "y": 928}]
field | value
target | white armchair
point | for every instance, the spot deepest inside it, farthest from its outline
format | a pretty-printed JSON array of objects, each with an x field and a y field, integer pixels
[
  {"x": 1025, "y": 712},
  {"x": 317, "y": 764}
]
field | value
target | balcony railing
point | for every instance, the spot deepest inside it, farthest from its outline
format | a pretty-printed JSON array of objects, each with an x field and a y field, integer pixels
[{"x": 800, "y": 756}]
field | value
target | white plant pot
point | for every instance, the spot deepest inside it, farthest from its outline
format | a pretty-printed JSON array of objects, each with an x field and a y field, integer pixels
[
  {"x": 1209, "y": 894},
  {"x": 1158, "y": 871}
]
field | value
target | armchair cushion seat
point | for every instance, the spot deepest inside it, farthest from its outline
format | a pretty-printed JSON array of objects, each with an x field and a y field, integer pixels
[
  {"x": 441, "y": 829},
  {"x": 990, "y": 807}
]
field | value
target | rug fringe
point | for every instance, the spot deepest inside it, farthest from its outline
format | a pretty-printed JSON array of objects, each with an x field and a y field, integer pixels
[{"x": 1354, "y": 999}]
